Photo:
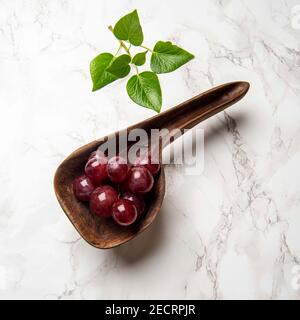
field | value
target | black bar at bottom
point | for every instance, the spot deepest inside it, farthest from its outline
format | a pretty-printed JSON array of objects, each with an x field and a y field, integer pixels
[{"x": 154, "y": 309}]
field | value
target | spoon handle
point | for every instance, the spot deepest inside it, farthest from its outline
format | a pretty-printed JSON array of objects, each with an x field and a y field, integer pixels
[{"x": 191, "y": 112}]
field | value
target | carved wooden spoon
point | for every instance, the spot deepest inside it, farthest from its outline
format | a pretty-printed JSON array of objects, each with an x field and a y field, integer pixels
[{"x": 105, "y": 233}]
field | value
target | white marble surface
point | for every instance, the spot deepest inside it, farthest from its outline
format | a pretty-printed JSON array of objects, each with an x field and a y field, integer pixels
[{"x": 234, "y": 234}]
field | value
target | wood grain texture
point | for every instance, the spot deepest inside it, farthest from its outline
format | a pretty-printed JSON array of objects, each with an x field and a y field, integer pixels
[{"x": 105, "y": 233}]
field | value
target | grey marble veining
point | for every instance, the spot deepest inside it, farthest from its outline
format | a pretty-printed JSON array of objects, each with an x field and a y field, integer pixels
[{"x": 232, "y": 232}]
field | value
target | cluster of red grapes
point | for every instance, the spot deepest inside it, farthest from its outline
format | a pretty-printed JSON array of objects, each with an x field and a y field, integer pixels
[{"x": 104, "y": 179}]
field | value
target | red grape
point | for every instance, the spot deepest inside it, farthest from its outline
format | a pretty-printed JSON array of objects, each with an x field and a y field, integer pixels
[
  {"x": 83, "y": 187},
  {"x": 124, "y": 212},
  {"x": 140, "y": 180},
  {"x": 102, "y": 200},
  {"x": 149, "y": 163},
  {"x": 95, "y": 169},
  {"x": 137, "y": 200},
  {"x": 117, "y": 169}
]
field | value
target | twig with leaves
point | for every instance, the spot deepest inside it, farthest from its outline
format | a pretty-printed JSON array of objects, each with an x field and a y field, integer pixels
[{"x": 144, "y": 87}]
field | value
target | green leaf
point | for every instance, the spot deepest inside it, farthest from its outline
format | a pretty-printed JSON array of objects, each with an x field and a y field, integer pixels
[
  {"x": 144, "y": 89},
  {"x": 167, "y": 57},
  {"x": 99, "y": 75},
  {"x": 140, "y": 58},
  {"x": 129, "y": 28},
  {"x": 120, "y": 66}
]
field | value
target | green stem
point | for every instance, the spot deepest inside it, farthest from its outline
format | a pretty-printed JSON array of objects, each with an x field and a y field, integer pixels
[
  {"x": 123, "y": 45},
  {"x": 136, "y": 68},
  {"x": 118, "y": 50},
  {"x": 148, "y": 49}
]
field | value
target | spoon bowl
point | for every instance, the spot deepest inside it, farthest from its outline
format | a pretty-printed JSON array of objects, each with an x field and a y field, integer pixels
[{"x": 104, "y": 233}]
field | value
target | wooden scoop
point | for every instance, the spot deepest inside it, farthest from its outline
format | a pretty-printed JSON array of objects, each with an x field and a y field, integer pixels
[{"x": 105, "y": 233}]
